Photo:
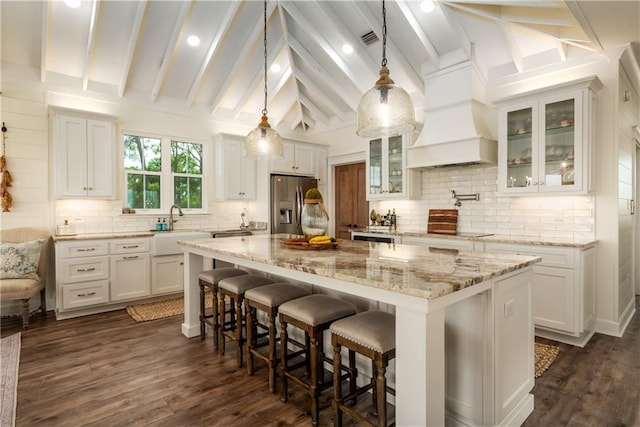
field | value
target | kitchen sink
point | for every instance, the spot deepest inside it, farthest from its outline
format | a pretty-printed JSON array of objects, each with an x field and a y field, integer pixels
[{"x": 165, "y": 243}]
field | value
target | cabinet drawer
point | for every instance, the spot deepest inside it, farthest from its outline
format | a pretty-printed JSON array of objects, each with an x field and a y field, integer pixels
[
  {"x": 84, "y": 249},
  {"x": 124, "y": 246},
  {"x": 85, "y": 294},
  {"x": 84, "y": 269},
  {"x": 551, "y": 257}
]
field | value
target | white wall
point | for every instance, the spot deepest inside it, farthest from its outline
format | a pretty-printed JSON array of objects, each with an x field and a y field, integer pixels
[{"x": 27, "y": 153}]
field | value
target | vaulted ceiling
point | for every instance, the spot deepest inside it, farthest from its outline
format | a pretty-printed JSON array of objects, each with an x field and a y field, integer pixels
[{"x": 137, "y": 51}]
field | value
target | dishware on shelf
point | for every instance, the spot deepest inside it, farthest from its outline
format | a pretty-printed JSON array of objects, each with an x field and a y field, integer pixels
[{"x": 565, "y": 123}]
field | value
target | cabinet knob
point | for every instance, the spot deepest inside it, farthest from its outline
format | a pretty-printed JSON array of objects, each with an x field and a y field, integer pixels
[{"x": 84, "y": 188}]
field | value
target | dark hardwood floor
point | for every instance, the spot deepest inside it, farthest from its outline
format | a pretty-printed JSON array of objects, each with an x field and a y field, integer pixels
[{"x": 107, "y": 370}]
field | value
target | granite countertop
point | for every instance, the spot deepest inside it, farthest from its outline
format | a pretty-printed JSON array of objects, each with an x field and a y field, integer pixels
[
  {"x": 405, "y": 269},
  {"x": 262, "y": 226},
  {"x": 495, "y": 238}
]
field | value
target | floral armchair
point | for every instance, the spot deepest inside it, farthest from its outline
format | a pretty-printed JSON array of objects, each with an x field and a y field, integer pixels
[{"x": 23, "y": 266}]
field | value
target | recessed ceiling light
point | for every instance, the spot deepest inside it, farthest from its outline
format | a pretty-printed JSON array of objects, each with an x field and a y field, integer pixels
[
  {"x": 74, "y": 4},
  {"x": 347, "y": 48},
  {"x": 275, "y": 68},
  {"x": 193, "y": 41},
  {"x": 427, "y": 6}
]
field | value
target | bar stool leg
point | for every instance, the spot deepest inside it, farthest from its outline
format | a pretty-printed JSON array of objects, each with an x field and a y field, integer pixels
[
  {"x": 283, "y": 360},
  {"x": 381, "y": 390},
  {"x": 239, "y": 343},
  {"x": 221, "y": 314},
  {"x": 272, "y": 351},
  {"x": 251, "y": 329},
  {"x": 315, "y": 374},
  {"x": 216, "y": 323},
  {"x": 337, "y": 391},
  {"x": 202, "y": 304}
]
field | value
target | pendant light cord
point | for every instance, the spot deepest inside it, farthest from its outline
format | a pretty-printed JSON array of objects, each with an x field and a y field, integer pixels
[
  {"x": 264, "y": 112},
  {"x": 384, "y": 35}
]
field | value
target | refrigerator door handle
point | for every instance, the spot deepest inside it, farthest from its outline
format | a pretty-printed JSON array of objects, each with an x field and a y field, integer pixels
[{"x": 299, "y": 208}]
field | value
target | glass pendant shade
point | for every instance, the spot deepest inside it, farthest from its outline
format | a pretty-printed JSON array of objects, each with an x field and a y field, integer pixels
[
  {"x": 264, "y": 142},
  {"x": 385, "y": 110}
]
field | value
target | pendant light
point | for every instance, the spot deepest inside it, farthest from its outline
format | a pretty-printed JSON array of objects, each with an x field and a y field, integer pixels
[
  {"x": 264, "y": 141},
  {"x": 385, "y": 109}
]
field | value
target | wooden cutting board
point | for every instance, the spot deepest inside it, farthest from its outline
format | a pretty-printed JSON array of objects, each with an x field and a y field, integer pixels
[{"x": 442, "y": 221}]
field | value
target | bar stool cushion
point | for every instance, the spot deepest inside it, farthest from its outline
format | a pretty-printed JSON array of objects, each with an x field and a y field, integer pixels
[
  {"x": 317, "y": 309},
  {"x": 275, "y": 294},
  {"x": 217, "y": 274},
  {"x": 375, "y": 330},
  {"x": 240, "y": 284}
]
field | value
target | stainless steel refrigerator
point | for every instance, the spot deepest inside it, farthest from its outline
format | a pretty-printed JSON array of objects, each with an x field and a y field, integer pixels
[{"x": 287, "y": 198}]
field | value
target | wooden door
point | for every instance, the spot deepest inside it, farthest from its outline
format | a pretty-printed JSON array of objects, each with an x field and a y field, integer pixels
[{"x": 351, "y": 206}]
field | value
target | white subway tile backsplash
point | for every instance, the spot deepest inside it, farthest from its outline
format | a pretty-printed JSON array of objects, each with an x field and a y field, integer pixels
[{"x": 543, "y": 216}]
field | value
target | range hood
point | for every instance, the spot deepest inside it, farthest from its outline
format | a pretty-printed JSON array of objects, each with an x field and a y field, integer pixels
[{"x": 456, "y": 121}]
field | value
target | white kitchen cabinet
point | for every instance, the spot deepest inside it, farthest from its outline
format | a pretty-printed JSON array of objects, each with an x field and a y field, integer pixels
[
  {"x": 84, "y": 150},
  {"x": 545, "y": 140},
  {"x": 299, "y": 159},
  {"x": 387, "y": 175},
  {"x": 563, "y": 290},
  {"x": 98, "y": 275},
  {"x": 167, "y": 274},
  {"x": 321, "y": 166},
  {"x": 235, "y": 173},
  {"x": 130, "y": 269},
  {"x": 82, "y": 274}
]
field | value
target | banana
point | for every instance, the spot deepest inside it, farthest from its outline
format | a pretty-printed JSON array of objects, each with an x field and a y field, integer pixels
[{"x": 320, "y": 239}]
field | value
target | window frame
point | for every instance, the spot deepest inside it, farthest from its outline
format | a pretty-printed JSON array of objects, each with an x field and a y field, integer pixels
[{"x": 166, "y": 173}]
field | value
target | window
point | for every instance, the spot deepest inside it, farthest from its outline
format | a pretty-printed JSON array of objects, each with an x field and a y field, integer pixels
[
  {"x": 160, "y": 172},
  {"x": 186, "y": 167}
]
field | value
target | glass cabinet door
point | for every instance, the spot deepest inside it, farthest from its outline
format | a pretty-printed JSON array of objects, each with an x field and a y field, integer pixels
[
  {"x": 395, "y": 165},
  {"x": 375, "y": 166},
  {"x": 521, "y": 169},
  {"x": 559, "y": 149}
]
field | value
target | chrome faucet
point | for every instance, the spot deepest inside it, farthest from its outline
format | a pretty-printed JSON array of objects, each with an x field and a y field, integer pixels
[{"x": 171, "y": 220}]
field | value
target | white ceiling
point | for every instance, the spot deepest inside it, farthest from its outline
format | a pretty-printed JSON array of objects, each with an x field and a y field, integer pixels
[{"x": 136, "y": 51}]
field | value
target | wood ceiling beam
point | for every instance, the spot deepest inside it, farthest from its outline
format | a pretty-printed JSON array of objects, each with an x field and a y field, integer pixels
[
  {"x": 311, "y": 106},
  {"x": 91, "y": 40},
  {"x": 134, "y": 36},
  {"x": 321, "y": 72},
  {"x": 585, "y": 25},
  {"x": 227, "y": 20},
  {"x": 308, "y": 26},
  {"x": 396, "y": 53},
  {"x": 256, "y": 31},
  {"x": 417, "y": 30},
  {"x": 46, "y": 13},
  {"x": 319, "y": 95},
  {"x": 512, "y": 46},
  {"x": 285, "y": 35},
  {"x": 180, "y": 24}
]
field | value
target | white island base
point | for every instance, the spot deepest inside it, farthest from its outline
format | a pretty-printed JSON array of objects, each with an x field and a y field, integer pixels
[{"x": 486, "y": 373}]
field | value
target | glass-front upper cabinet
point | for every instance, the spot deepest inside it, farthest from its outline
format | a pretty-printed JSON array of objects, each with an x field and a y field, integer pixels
[
  {"x": 544, "y": 143},
  {"x": 387, "y": 176}
]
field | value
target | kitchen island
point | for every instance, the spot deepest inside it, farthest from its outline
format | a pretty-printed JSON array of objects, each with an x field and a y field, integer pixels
[{"x": 480, "y": 302}]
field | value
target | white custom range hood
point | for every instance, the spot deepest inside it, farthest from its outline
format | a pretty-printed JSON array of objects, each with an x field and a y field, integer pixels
[{"x": 455, "y": 122}]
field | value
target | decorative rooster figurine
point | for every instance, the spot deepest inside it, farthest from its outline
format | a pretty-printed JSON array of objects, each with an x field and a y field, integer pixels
[{"x": 6, "y": 176}]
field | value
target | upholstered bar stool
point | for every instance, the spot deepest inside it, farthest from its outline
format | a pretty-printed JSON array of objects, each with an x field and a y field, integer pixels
[
  {"x": 267, "y": 299},
  {"x": 372, "y": 334},
  {"x": 235, "y": 288},
  {"x": 314, "y": 315},
  {"x": 209, "y": 279}
]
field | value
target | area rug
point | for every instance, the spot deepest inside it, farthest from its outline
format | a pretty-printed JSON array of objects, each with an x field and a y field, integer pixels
[
  {"x": 9, "y": 360},
  {"x": 545, "y": 355},
  {"x": 160, "y": 309}
]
